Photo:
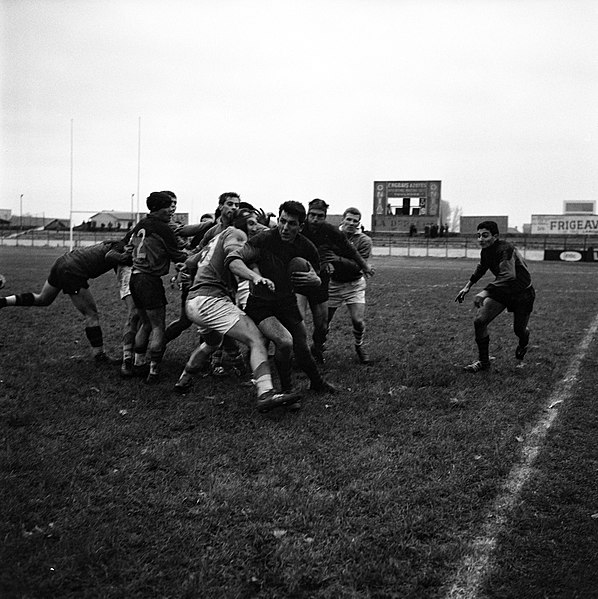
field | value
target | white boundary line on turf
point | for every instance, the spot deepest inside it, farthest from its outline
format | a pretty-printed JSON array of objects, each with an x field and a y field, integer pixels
[{"x": 477, "y": 563}]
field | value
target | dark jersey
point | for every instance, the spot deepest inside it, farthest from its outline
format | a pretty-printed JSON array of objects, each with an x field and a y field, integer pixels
[
  {"x": 346, "y": 269},
  {"x": 508, "y": 266},
  {"x": 154, "y": 246},
  {"x": 272, "y": 256},
  {"x": 331, "y": 242},
  {"x": 93, "y": 261}
]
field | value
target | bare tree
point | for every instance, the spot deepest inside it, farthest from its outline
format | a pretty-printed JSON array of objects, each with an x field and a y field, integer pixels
[{"x": 454, "y": 221}]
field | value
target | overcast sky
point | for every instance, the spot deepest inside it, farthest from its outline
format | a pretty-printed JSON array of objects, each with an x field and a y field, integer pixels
[{"x": 283, "y": 100}]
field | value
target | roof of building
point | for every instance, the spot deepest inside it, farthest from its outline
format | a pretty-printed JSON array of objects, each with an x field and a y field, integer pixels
[{"x": 125, "y": 216}]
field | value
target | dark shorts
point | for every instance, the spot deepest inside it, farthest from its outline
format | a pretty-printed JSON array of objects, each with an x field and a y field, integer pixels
[
  {"x": 317, "y": 295},
  {"x": 61, "y": 278},
  {"x": 522, "y": 302},
  {"x": 147, "y": 291},
  {"x": 286, "y": 310}
]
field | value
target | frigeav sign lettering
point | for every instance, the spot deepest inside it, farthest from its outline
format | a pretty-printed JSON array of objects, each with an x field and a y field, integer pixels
[{"x": 571, "y": 224}]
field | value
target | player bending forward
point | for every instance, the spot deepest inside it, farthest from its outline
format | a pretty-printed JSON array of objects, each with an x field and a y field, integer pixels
[
  {"x": 210, "y": 305},
  {"x": 70, "y": 274},
  {"x": 511, "y": 289}
]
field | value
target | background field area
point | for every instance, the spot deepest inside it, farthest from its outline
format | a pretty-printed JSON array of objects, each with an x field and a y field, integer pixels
[{"x": 110, "y": 488}]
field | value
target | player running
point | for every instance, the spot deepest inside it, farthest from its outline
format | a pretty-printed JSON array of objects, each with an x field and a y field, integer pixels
[
  {"x": 511, "y": 289},
  {"x": 330, "y": 243},
  {"x": 347, "y": 281}
]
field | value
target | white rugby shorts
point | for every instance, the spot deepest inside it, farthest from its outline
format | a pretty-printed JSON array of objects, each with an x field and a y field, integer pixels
[
  {"x": 217, "y": 314},
  {"x": 352, "y": 292}
]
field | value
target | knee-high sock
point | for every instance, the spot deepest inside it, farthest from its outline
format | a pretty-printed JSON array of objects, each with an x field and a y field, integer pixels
[{"x": 483, "y": 345}]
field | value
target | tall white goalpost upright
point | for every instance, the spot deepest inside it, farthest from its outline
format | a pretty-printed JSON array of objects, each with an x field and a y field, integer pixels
[
  {"x": 71, "y": 200},
  {"x": 71, "y": 211},
  {"x": 138, "y": 165}
]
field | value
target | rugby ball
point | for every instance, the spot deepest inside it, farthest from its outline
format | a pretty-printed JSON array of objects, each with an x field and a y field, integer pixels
[
  {"x": 298, "y": 264},
  {"x": 2, "y": 281}
]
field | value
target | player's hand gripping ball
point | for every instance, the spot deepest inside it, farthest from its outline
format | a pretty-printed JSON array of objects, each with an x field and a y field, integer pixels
[
  {"x": 2, "y": 281},
  {"x": 297, "y": 265}
]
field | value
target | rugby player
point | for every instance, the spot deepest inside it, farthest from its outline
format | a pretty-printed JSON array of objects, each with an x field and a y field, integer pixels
[
  {"x": 154, "y": 246},
  {"x": 70, "y": 274},
  {"x": 272, "y": 304},
  {"x": 347, "y": 282},
  {"x": 511, "y": 289},
  {"x": 228, "y": 203},
  {"x": 330, "y": 243},
  {"x": 210, "y": 305}
]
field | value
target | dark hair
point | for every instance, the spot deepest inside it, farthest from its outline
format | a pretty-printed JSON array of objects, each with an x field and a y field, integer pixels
[
  {"x": 158, "y": 200},
  {"x": 352, "y": 210},
  {"x": 293, "y": 208},
  {"x": 241, "y": 218},
  {"x": 207, "y": 215},
  {"x": 170, "y": 193},
  {"x": 227, "y": 194},
  {"x": 247, "y": 206},
  {"x": 318, "y": 205},
  {"x": 490, "y": 225}
]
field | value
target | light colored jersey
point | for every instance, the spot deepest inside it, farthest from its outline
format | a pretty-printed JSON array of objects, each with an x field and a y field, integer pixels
[{"x": 213, "y": 278}]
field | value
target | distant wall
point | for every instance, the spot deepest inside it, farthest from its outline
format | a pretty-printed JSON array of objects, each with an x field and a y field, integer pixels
[{"x": 469, "y": 224}]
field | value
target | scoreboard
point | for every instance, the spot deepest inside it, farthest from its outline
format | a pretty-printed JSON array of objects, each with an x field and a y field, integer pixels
[{"x": 399, "y": 204}]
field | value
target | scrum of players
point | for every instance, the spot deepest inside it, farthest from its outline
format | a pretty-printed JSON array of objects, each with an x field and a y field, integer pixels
[
  {"x": 239, "y": 275},
  {"x": 246, "y": 284}
]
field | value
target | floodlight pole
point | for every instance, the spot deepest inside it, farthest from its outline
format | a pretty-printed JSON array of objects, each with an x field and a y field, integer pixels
[
  {"x": 132, "y": 210},
  {"x": 21, "y": 213}
]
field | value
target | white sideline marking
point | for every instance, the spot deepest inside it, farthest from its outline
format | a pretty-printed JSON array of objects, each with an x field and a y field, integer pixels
[{"x": 477, "y": 564}]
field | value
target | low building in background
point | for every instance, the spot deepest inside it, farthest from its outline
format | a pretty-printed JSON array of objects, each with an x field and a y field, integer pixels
[{"x": 469, "y": 224}]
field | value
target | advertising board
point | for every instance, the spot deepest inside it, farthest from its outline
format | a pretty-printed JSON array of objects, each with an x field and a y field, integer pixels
[{"x": 564, "y": 224}]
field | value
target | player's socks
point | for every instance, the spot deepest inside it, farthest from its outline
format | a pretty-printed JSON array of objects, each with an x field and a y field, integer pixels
[
  {"x": 22, "y": 299},
  {"x": 483, "y": 349},
  {"x": 96, "y": 339},
  {"x": 263, "y": 378},
  {"x": 128, "y": 345},
  {"x": 285, "y": 373},
  {"x": 358, "y": 335},
  {"x": 154, "y": 367},
  {"x": 216, "y": 363},
  {"x": 521, "y": 349},
  {"x": 140, "y": 358},
  {"x": 263, "y": 384}
]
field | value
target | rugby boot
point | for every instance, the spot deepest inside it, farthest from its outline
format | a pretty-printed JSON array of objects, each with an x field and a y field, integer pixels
[
  {"x": 477, "y": 366},
  {"x": 271, "y": 399},
  {"x": 362, "y": 354},
  {"x": 521, "y": 349}
]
